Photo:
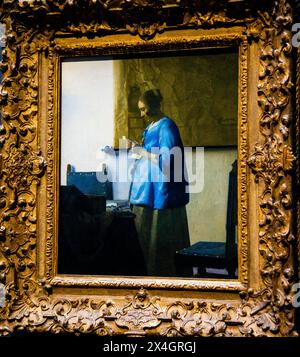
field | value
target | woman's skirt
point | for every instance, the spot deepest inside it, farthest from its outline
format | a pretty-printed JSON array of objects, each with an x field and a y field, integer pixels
[{"x": 161, "y": 233}]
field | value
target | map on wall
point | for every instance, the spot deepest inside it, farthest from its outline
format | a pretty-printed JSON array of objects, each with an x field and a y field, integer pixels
[{"x": 200, "y": 93}]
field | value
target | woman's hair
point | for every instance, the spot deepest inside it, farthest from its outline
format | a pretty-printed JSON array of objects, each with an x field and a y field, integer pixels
[{"x": 152, "y": 98}]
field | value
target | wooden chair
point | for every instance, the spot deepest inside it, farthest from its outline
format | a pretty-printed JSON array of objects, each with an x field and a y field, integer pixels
[
  {"x": 88, "y": 183},
  {"x": 214, "y": 255}
]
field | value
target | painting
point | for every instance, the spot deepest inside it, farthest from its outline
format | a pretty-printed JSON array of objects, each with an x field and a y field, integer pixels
[{"x": 148, "y": 156}]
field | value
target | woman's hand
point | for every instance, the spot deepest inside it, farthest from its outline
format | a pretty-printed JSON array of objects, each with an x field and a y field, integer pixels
[
  {"x": 126, "y": 143},
  {"x": 140, "y": 152}
]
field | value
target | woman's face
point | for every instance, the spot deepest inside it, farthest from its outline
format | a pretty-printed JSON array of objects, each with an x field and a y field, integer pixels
[{"x": 144, "y": 109}]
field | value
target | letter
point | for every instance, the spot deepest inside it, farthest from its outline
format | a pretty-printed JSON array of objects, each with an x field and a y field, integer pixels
[
  {"x": 181, "y": 346},
  {"x": 295, "y": 38},
  {"x": 107, "y": 157},
  {"x": 194, "y": 349},
  {"x": 173, "y": 347},
  {"x": 178, "y": 163},
  {"x": 157, "y": 346},
  {"x": 127, "y": 347},
  {"x": 122, "y": 169},
  {"x": 296, "y": 297},
  {"x": 194, "y": 162},
  {"x": 155, "y": 173},
  {"x": 134, "y": 346},
  {"x": 115, "y": 347},
  {"x": 106, "y": 347},
  {"x": 189, "y": 346}
]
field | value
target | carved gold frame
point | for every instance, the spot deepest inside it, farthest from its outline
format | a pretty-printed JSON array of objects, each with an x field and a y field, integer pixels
[{"x": 39, "y": 35}]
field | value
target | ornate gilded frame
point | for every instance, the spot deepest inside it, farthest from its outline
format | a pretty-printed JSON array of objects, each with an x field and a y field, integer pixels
[{"x": 39, "y": 34}]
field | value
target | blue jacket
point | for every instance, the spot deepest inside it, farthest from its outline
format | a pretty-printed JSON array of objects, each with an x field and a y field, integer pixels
[{"x": 154, "y": 184}]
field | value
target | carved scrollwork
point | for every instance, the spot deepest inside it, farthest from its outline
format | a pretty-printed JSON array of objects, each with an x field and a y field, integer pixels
[
  {"x": 272, "y": 164},
  {"x": 144, "y": 18},
  {"x": 139, "y": 313},
  {"x": 39, "y": 312},
  {"x": 22, "y": 165},
  {"x": 296, "y": 136}
]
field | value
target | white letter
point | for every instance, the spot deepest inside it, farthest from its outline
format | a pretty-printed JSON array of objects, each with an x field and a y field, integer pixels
[
  {"x": 134, "y": 346},
  {"x": 296, "y": 301},
  {"x": 295, "y": 38},
  {"x": 196, "y": 181},
  {"x": 106, "y": 347}
]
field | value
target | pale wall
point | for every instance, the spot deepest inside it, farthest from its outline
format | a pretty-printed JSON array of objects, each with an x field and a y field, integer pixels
[
  {"x": 87, "y": 113},
  {"x": 207, "y": 209}
]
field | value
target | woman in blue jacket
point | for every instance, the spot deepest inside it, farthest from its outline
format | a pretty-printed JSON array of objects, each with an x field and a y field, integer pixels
[{"x": 159, "y": 190}]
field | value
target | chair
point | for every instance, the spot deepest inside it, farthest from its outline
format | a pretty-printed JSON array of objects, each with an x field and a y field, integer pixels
[
  {"x": 90, "y": 183},
  {"x": 214, "y": 255}
]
